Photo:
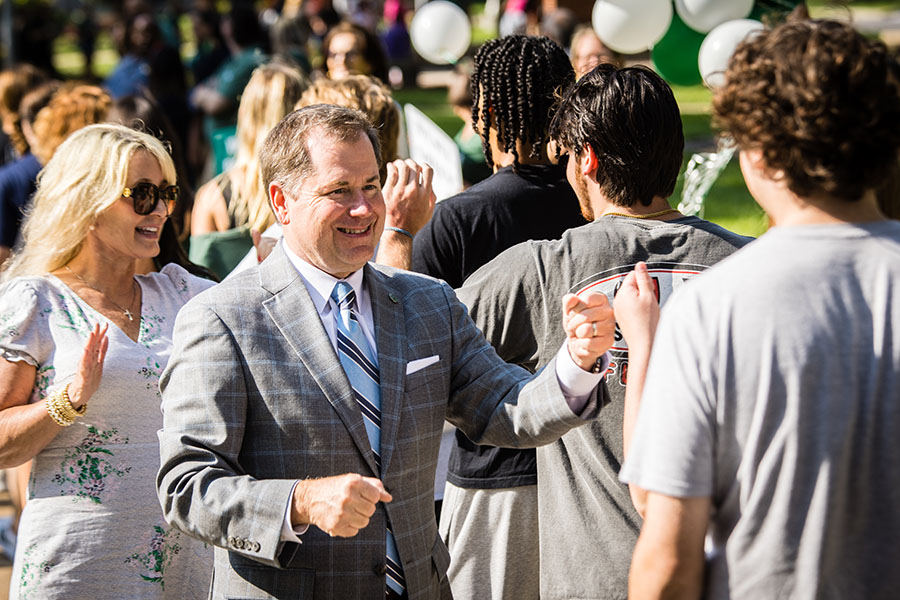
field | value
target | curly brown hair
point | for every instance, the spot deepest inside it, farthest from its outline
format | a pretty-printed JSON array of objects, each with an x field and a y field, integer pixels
[
  {"x": 74, "y": 106},
  {"x": 820, "y": 101}
]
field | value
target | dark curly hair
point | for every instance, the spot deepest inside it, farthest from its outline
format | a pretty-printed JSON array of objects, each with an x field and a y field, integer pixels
[
  {"x": 820, "y": 101},
  {"x": 515, "y": 83},
  {"x": 630, "y": 118}
]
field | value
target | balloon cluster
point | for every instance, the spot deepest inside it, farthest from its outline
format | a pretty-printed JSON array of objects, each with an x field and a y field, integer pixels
[{"x": 691, "y": 41}]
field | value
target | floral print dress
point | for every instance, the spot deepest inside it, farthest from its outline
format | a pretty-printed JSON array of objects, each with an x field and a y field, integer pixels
[{"x": 92, "y": 526}]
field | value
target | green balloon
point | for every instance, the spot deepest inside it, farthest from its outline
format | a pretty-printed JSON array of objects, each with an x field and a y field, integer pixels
[{"x": 675, "y": 55}]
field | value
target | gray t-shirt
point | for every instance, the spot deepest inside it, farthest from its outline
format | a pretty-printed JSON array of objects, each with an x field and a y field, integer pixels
[
  {"x": 515, "y": 299},
  {"x": 774, "y": 389}
]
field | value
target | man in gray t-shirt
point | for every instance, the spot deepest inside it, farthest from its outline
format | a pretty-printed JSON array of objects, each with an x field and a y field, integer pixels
[
  {"x": 773, "y": 391},
  {"x": 770, "y": 415},
  {"x": 586, "y": 522}
]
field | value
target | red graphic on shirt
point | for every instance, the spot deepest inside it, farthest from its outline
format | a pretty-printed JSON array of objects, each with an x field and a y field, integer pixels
[{"x": 667, "y": 278}]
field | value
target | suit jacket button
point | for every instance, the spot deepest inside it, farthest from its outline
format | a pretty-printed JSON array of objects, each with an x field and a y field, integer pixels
[
  {"x": 232, "y": 541},
  {"x": 255, "y": 547},
  {"x": 380, "y": 569}
]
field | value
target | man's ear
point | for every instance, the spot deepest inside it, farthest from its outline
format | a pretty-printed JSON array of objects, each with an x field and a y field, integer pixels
[
  {"x": 753, "y": 161},
  {"x": 279, "y": 203},
  {"x": 587, "y": 160}
]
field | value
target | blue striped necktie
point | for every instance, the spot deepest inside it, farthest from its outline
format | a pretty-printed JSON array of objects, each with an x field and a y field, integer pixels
[{"x": 359, "y": 363}]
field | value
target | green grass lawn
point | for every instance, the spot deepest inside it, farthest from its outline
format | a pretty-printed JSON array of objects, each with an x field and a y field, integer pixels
[{"x": 432, "y": 102}]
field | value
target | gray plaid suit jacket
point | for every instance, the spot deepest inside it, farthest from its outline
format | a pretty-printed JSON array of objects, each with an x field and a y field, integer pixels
[{"x": 254, "y": 398}]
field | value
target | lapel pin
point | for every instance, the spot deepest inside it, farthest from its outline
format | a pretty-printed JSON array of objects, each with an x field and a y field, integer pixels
[{"x": 393, "y": 298}]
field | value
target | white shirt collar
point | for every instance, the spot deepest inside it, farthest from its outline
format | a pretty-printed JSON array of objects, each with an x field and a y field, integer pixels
[{"x": 319, "y": 283}]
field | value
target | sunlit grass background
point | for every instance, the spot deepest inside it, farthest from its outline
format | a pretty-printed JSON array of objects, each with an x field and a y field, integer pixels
[{"x": 728, "y": 203}]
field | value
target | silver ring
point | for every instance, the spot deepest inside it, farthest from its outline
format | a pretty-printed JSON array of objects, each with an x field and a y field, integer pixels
[{"x": 594, "y": 329}]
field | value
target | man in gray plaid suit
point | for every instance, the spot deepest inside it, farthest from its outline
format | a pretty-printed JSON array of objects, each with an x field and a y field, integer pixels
[{"x": 273, "y": 451}]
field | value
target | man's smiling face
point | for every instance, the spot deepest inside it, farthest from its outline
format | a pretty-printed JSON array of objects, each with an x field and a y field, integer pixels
[{"x": 336, "y": 216}]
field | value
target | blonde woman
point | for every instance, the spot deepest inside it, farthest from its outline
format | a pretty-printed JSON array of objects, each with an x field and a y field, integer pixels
[
  {"x": 83, "y": 341},
  {"x": 233, "y": 203}
]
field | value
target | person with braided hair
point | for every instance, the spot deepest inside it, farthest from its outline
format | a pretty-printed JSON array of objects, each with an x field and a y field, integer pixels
[{"x": 514, "y": 82}]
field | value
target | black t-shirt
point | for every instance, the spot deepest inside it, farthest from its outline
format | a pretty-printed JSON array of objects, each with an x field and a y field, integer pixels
[{"x": 466, "y": 232}]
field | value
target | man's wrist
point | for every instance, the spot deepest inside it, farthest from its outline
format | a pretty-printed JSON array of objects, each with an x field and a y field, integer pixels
[
  {"x": 399, "y": 230},
  {"x": 574, "y": 380},
  {"x": 290, "y": 532},
  {"x": 299, "y": 511}
]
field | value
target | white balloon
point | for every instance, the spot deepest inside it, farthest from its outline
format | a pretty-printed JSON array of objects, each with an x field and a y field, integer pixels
[
  {"x": 704, "y": 15},
  {"x": 631, "y": 26},
  {"x": 440, "y": 32},
  {"x": 718, "y": 46}
]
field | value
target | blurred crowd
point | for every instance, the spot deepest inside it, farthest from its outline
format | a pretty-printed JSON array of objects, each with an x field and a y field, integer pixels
[
  {"x": 278, "y": 138},
  {"x": 213, "y": 104}
]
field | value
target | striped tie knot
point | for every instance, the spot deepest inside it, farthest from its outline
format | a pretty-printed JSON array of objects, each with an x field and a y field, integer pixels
[{"x": 345, "y": 297}]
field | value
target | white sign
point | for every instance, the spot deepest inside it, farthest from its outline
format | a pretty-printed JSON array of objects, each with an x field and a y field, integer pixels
[{"x": 429, "y": 144}]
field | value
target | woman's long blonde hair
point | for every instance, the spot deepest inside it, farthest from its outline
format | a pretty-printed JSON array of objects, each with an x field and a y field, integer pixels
[
  {"x": 269, "y": 96},
  {"x": 86, "y": 175}
]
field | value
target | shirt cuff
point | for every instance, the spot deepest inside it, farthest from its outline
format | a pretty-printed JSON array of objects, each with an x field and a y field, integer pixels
[
  {"x": 289, "y": 533},
  {"x": 577, "y": 385}
]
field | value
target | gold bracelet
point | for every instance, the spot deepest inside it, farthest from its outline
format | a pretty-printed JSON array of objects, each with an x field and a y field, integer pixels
[
  {"x": 56, "y": 412},
  {"x": 67, "y": 406},
  {"x": 61, "y": 410}
]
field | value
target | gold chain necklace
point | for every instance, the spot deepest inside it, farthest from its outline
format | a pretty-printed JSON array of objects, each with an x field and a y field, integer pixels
[
  {"x": 119, "y": 306},
  {"x": 668, "y": 211}
]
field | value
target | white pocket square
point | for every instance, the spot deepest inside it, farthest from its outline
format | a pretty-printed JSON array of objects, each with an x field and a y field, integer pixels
[{"x": 417, "y": 365}]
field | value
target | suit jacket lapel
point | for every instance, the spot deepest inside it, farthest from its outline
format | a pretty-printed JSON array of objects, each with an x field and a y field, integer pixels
[
  {"x": 296, "y": 317},
  {"x": 390, "y": 333}
]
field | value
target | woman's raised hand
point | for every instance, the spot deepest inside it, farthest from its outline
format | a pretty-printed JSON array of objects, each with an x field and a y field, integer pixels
[{"x": 90, "y": 369}]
